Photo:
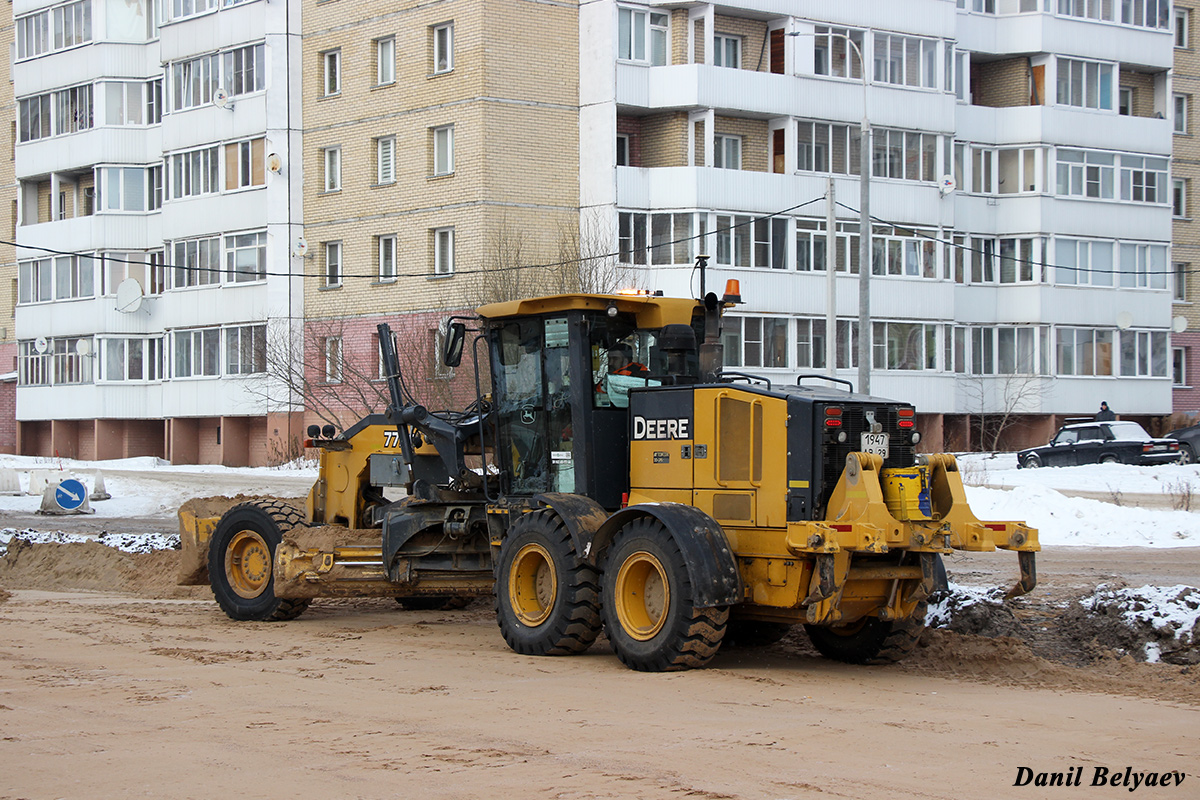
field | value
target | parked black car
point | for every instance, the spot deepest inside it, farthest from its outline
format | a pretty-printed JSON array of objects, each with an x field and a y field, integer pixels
[
  {"x": 1189, "y": 443},
  {"x": 1101, "y": 443}
]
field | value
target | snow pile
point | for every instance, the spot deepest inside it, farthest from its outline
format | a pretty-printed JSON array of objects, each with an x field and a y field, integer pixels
[
  {"x": 1078, "y": 521},
  {"x": 125, "y": 542},
  {"x": 1166, "y": 618}
]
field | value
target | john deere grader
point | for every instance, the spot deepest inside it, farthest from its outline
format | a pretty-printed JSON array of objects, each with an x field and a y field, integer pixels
[{"x": 616, "y": 478}]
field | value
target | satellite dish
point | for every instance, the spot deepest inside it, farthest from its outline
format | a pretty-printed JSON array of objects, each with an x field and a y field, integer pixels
[
  {"x": 220, "y": 99},
  {"x": 1124, "y": 320},
  {"x": 274, "y": 163},
  {"x": 1179, "y": 324},
  {"x": 83, "y": 347},
  {"x": 300, "y": 248},
  {"x": 129, "y": 296},
  {"x": 40, "y": 344},
  {"x": 947, "y": 184}
]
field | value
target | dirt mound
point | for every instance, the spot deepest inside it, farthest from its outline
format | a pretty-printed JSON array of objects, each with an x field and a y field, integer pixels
[
  {"x": 94, "y": 567},
  {"x": 216, "y": 506}
]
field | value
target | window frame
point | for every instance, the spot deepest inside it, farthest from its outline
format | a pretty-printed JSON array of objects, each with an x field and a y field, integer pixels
[
  {"x": 443, "y": 251},
  {"x": 385, "y": 77},
  {"x": 1179, "y": 273},
  {"x": 1179, "y": 205},
  {"x": 385, "y": 167},
  {"x": 720, "y": 50},
  {"x": 331, "y": 166},
  {"x": 335, "y": 355},
  {"x": 1179, "y": 119},
  {"x": 1179, "y": 367},
  {"x": 234, "y": 339},
  {"x": 442, "y": 47},
  {"x": 331, "y": 72},
  {"x": 331, "y": 272},
  {"x": 1182, "y": 17},
  {"x": 385, "y": 246},
  {"x": 720, "y": 157},
  {"x": 443, "y": 150}
]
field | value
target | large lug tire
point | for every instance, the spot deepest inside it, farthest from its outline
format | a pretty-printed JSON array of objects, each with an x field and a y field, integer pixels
[
  {"x": 241, "y": 560},
  {"x": 754, "y": 632},
  {"x": 649, "y": 609},
  {"x": 547, "y": 599},
  {"x": 870, "y": 640}
]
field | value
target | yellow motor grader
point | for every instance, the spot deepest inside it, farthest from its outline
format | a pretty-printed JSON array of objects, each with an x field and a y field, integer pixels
[{"x": 616, "y": 477}]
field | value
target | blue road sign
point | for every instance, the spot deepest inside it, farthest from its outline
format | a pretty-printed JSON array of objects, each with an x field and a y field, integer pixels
[{"x": 70, "y": 494}]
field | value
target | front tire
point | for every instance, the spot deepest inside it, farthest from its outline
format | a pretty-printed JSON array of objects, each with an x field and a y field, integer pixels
[
  {"x": 869, "y": 640},
  {"x": 1031, "y": 461},
  {"x": 1186, "y": 454},
  {"x": 241, "y": 561},
  {"x": 547, "y": 599},
  {"x": 649, "y": 607}
]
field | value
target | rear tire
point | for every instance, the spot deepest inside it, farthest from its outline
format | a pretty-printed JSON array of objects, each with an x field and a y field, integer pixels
[
  {"x": 241, "y": 561},
  {"x": 870, "y": 640},
  {"x": 547, "y": 599},
  {"x": 649, "y": 609},
  {"x": 1110, "y": 460}
]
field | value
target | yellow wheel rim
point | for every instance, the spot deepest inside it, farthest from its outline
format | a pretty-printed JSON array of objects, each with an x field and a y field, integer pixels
[
  {"x": 643, "y": 596},
  {"x": 532, "y": 585},
  {"x": 248, "y": 564}
]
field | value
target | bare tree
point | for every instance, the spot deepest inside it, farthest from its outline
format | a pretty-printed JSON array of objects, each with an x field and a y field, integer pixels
[{"x": 1009, "y": 395}]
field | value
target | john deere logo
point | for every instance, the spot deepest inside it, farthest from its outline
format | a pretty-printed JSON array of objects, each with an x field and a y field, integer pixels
[{"x": 679, "y": 428}]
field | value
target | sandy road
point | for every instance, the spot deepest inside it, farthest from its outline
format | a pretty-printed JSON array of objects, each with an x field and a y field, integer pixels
[{"x": 107, "y": 695}]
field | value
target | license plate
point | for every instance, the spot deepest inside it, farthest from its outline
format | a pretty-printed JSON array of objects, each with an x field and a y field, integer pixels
[{"x": 875, "y": 443}]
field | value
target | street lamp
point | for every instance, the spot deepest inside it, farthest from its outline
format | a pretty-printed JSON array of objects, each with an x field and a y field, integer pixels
[{"x": 864, "y": 240}]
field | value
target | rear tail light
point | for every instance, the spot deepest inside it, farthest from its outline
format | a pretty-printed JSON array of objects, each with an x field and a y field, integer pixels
[
  {"x": 833, "y": 417},
  {"x": 905, "y": 423}
]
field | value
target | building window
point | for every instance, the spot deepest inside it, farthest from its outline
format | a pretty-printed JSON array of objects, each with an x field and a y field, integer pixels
[
  {"x": 727, "y": 51},
  {"x": 385, "y": 61},
  {"x": 189, "y": 8},
  {"x": 74, "y": 277},
  {"x": 1183, "y": 18},
  {"x": 755, "y": 342},
  {"x": 622, "y": 150},
  {"x": 131, "y": 359},
  {"x": 197, "y": 353},
  {"x": 1125, "y": 101},
  {"x": 1143, "y": 266},
  {"x": 246, "y": 350},
  {"x": 331, "y": 72},
  {"x": 1179, "y": 197},
  {"x": 194, "y": 173},
  {"x": 642, "y": 36},
  {"x": 333, "y": 264},
  {"x": 154, "y": 101},
  {"x": 146, "y": 268},
  {"x": 1084, "y": 351},
  {"x": 33, "y": 35},
  {"x": 35, "y": 118},
  {"x": 443, "y": 251},
  {"x": 904, "y": 346},
  {"x": 1143, "y": 354},
  {"x": 1179, "y": 287},
  {"x": 73, "y": 109},
  {"x": 196, "y": 262},
  {"x": 332, "y": 157},
  {"x": 810, "y": 343},
  {"x": 443, "y": 150},
  {"x": 243, "y": 70},
  {"x": 1085, "y": 84},
  {"x": 1085, "y": 173},
  {"x": 727, "y": 152},
  {"x": 244, "y": 164},
  {"x": 1181, "y": 115},
  {"x": 194, "y": 81},
  {"x": 333, "y": 359},
  {"x": 387, "y": 258},
  {"x": 833, "y": 56},
  {"x": 906, "y": 60},
  {"x": 1143, "y": 179},
  {"x": 443, "y": 48},
  {"x": 129, "y": 189},
  {"x": 631, "y": 238},
  {"x": 385, "y": 159},
  {"x": 246, "y": 257},
  {"x": 124, "y": 103},
  {"x": 1179, "y": 366},
  {"x": 72, "y": 24},
  {"x": 1146, "y": 13}
]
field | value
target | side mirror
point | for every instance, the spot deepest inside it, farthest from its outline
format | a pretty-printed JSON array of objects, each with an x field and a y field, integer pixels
[{"x": 456, "y": 335}]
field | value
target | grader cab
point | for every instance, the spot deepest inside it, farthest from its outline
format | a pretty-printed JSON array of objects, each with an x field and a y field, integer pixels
[{"x": 615, "y": 477}]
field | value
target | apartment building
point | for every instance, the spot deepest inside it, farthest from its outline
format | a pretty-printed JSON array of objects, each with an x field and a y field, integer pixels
[
  {"x": 441, "y": 156},
  {"x": 157, "y": 161},
  {"x": 1019, "y": 154},
  {"x": 1185, "y": 170}
]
